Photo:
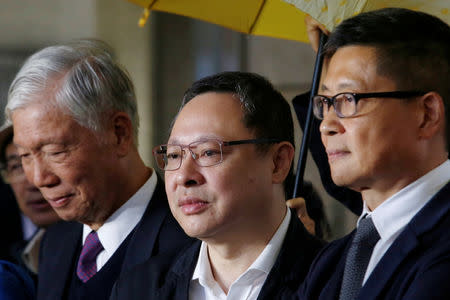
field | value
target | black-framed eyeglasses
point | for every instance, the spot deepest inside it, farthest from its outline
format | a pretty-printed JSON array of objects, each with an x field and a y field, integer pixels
[
  {"x": 205, "y": 152},
  {"x": 345, "y": 104}
]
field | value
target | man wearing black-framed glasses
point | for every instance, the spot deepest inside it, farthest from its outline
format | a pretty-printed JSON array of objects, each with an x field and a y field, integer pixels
[
  {"x": 226, "y": 161},
  {"x": 383, "y": 107}
]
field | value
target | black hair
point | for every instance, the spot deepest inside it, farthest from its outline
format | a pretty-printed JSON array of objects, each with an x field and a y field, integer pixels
[{"x": 412, "y": 48}]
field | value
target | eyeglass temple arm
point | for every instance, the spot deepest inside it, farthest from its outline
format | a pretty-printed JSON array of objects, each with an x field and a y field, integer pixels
[{"x": 252, "y": 141}]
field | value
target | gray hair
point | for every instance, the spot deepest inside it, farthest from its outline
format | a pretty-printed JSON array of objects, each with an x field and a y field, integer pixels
[{"x": 85, "y": 79}]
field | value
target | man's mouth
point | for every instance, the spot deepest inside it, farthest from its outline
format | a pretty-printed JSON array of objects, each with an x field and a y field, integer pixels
[{"x": 192, "y": 205}]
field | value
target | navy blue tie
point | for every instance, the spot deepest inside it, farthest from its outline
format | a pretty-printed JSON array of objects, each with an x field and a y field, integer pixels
[{"x": 358, "y": 257}]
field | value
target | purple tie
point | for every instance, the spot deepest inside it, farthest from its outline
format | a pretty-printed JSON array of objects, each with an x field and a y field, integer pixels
[{"x": 87, "y": 266}]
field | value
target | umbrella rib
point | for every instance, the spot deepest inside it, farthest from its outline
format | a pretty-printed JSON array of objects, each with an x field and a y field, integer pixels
[
  {"x": 257, "y": 16},
  {"x": 150, "y": 5}
]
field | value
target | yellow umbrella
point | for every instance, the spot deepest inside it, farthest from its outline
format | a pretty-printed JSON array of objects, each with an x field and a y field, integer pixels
[
  {"x": 332, "y": 12},
  {"x": 285, "y": 19},
  {"x": 273, "y": 18}
]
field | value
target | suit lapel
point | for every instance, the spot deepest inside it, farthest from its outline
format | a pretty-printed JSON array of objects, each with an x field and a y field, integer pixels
[
  {"x": 180, "y": 275},
  {"x": 293, "y": 261},
  {"x": 386, "y": 267},
  {"x": 406, "y": 242},
  {"x": 64, "y": 253},
  {"x": 146, "y": 231},
  {"x": 335, "y": 274}
]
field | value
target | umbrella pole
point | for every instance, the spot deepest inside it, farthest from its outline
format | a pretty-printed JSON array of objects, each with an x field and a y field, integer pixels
[{"x": 309, "y": 119}]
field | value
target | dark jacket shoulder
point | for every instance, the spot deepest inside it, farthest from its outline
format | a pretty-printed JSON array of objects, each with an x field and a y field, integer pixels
[{"x": 168, "y": 277}]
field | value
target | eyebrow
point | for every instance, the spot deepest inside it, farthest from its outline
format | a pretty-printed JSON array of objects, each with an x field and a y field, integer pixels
[
  {"x": 349, "y": 84},
  {"x": 175, "y": 141}
]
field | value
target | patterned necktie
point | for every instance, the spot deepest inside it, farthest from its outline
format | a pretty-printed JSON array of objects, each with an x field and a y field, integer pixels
[
  {"x": 358, "y": 258},
  {"x": 87, "y": 265}
]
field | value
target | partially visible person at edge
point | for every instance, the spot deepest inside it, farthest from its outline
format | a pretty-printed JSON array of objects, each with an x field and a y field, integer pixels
[
  {"x": 36, "y": 212},
  {"x": 384, "y": 105},
  {"x": 229, "y": 153},
  {"x": 15, "y": 283},
  {"x": 74, "y": 114}
]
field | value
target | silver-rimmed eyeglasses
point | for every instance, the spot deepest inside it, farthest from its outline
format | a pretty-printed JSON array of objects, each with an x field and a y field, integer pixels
[
  {"x": 205, "y": 152},
  {"x": 345, "y": 104}
]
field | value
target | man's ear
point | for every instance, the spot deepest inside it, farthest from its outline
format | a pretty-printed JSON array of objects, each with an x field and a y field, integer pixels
[
  {"x": 282, "y": 160},
  {"x": 123, "y": 133},
  {"x": 432, "y": 115}
]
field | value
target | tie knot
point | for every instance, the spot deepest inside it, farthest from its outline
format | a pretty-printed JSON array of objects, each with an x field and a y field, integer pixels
[
  {"x": 92, "y": 241},
  {"x": 366, "y": 233}
]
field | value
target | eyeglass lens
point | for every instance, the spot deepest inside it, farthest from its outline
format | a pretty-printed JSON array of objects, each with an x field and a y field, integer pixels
[
  {"x": 205, "y": 153},
  {"x": 343, "y": 104}
]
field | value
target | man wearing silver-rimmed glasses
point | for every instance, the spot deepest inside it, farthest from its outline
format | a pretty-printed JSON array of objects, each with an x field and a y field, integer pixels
[{"x": 226, "y": 161}]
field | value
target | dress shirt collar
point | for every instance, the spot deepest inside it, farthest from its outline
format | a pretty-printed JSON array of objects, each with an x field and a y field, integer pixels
[
  {"x": 396, "y": 212},
  {"x": 263, "y": 263},
  {"x": 267, "y": 258},
  {"x": 117, "y": 227},
  {"x": 30, "y": 255}
]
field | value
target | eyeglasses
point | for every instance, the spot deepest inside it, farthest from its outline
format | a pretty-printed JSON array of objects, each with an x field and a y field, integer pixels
[
  {"x": 345, "y": 104},
  {"x": 12, "y": 171},
  {"x": 206, "y": 152}
]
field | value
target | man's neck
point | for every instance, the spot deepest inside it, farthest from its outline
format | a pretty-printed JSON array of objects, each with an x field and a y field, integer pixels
[
  {"x": 230, "y": 257},
  {"x": 383, "y": 190},
  {"x": 128, "y": 189},
  {"x": 228, "y": 264}
]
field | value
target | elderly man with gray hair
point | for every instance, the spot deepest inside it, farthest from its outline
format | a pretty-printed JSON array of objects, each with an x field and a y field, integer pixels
[{"x": 74, "y": 113}]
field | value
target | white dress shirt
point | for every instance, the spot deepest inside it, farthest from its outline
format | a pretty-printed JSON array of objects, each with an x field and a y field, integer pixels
[
  {"x": 117, "y": 227},
  {"x": 247, "y": 287},
  {"x": 392, "y": 216}
]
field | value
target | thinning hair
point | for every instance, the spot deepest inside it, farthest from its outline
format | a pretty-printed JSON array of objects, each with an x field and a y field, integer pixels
[
  {"x": 82, "y": 78},
  {"x": 412, "y": 49}
]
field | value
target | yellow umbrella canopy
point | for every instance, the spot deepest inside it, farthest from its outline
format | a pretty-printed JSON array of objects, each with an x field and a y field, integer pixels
[
  {"x": 273, "y": 18},
  {"x": 282, "y": 18},
  {"x": 332, "y": 12}
]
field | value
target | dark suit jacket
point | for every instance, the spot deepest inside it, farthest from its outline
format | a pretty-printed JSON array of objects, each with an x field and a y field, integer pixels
[
  {"x": 165, "y": 278},
  {"x": 157, "y": 232},
  {"x": 10, "y": 223},
  {"x": 416, "y": 266}
]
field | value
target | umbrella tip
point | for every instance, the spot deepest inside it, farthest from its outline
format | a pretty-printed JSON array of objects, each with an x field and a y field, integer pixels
[{"x": 144, "y": 16}]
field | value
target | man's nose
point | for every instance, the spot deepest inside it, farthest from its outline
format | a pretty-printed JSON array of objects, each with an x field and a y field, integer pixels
[
  {"x": 331, "y": 123},
  {"x": 40, "y": 173},
  {"x": 189, "y": 173}
]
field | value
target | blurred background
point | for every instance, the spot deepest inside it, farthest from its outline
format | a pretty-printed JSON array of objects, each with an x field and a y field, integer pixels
[{"x": 163, "y": 59}]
